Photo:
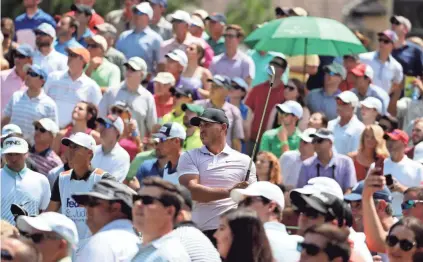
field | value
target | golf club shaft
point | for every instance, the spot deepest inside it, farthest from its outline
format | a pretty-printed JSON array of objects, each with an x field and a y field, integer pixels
[{"x": 259, "y": 130}]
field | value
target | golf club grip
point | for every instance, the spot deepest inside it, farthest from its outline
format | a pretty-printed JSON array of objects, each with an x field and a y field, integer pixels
[{"x": 259, "y": 131}]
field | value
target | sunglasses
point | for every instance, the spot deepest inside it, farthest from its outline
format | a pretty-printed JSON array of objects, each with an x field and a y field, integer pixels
[
  {"x": 148, "y": 200},
  {"x": 41, "y": 129},
  {"x": 404, "y": 244},
  {"x": 33, "y": 74},
  {"x": 39, "y": 33},
  {"x": 285, "y": 113},
  {"x": 290, "y": 88},
  {"x": 92, "y": 202},
  {"x": 20, "y": 56},
  {"x": 318, "y": 140},
  {"x": 409, "y": 204},
  {"x": 5, "y": 255},
  {"x": 310, "y": 249},
  {"x": 74, "y": 146},
  {"x": 385, "y": 41},
  {"x": 340, "y": 102},
  {"x": 332, "y": 73},
  {"x": 276, "y": 64},
  {"x": 230, "y": 36},
  {"x": 310, "y": 213},
  {"x": 384, "y": 127},
  {"x": 93, "y": 46},
  {"x": 117, "y": 111},
  {"x": 250, "y": 200}
]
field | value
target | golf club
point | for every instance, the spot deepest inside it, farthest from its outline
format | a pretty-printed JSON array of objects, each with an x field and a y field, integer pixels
[{"x": 271, "y": 71}]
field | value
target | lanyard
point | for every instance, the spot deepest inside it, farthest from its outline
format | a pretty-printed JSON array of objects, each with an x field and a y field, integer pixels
[{"x": 318, "y": 171}]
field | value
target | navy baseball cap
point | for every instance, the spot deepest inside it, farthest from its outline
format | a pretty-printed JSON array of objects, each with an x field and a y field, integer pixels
[
  {"x": 357, "y": 191},
  {"x": 221, "y": 81},
  {"x": 183, "y": 90},
  {"x": 217, "y": 17},
  {"x": 36, "y": 69},
  {"x": 25, "y": 50}
]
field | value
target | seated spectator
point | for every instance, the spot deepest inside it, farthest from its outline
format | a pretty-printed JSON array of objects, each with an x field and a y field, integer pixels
[
  {"x": 370, "y": 110},
  {"x": 346, "y": 128},
  {"x": 364, "y": 88},
  {"x": 268, "y": 168},
  {"x": 83, "y": 15},
  {"x": 134, "y": 95},
  {"x": 327, "y": 163},
  {"x": 41, "y": 153},
  {"x": 416, "y": 136},
  {"x": 103, "y": 72},
  {"x": 193, "y": 139},
  {"x": 181, "y": 95},
  {"x": 195, "y": 76},
  {"x": 318, "y": 120},
  {"x": 287, "y": 136},
  {"x": 8, "y": 44},
  {"x": 216, "y": 23},
  {"x": 95, "y": 18},
  {"x": 158, "y": 23},
  {"x": 233, "y": 62},
  {"x": 26, "y": 107},
  {"x": 109, "y": 155},
  {"x": 294, "y": 90},
  {"x": 291, "y": 161},
  {"x": 388, "y": 123},
  {"x": 372, "y": 149},
  {"x": 13, "y": 80},
  {"x": 66, "y": 30},
  {"x": 84, "y": 117},
  {"x": 238, "y": 236},
  {"x": 349, "y": 62},
  {"x": 70, "y": 87},
  {"x": 45, "y": 55},
  {"x": 163, "y": 82},
  {"x": 324, "y": 99}
]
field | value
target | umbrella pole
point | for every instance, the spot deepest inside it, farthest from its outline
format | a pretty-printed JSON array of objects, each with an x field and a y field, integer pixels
[{"x": 305, "y": 61}]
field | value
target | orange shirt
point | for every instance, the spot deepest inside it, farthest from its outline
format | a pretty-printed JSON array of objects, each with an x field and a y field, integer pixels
[{"x": 163, "y": 108}]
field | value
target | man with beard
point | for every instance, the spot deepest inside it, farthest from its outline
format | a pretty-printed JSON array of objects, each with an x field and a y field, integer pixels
[
  {"x": 66, "y": 30},
  {"x": 153, "y": 167},
  {"x": 416, "y": 136},
  {"x": 46, "y": 56}
]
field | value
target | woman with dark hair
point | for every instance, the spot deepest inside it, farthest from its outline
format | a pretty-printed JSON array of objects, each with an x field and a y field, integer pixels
[
  {"x": 268, "y": 168},
  {"x": 84, "y": 118},
  {"x": 241, "y": 237},
  {"x": 318, "y": 120},
  {"x": 195, "y": 75},
  {"x": 294, "y": 90},
  {"x": 405, "y": 241},
  {"x": 325, "y": 243}
]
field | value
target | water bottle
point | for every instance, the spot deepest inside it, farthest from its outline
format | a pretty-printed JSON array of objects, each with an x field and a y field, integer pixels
[{"x": 416, "y": 93}]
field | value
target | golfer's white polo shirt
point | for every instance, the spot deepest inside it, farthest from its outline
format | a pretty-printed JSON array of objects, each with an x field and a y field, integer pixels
[
  {"x": 223, "y": 170},
  {"x": 26, "y": 188},
  {"x": 116, "y": 162},
  {"x": 116, "y": 241}
]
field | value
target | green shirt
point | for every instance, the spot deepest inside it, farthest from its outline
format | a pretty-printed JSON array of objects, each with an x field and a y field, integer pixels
[
  {"x": 270, "y": 141},
  {"x": 107, "y": 74},
  {"x": 194, "y": 141},
  {"x": 217, "y": 46},
  {"x": 170, "y": 117},
  {"x": 138, "y": 160}
]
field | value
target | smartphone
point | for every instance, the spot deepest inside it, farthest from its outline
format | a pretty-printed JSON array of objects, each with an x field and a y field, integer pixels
[
  {"x": 389, "y": 180},
  {"x": 379, "y": 164}
]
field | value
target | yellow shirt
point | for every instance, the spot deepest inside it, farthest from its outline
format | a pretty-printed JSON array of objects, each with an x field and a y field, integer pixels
[
  {"x": 311, "y": 60},
  {"x": 194, "y": 141},
  {"x": 170, "y": 117}
]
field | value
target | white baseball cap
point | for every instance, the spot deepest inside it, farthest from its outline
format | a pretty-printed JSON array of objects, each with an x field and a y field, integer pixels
[
  {"x": 179, "y": 56},
  {"x": 14, "y": 145},
  {"x": 372, "y": 102},
  {"x": 46, "y": 29},
  {"x": 182, "y": 16},
  {"x": 81, "y": 139},
  {"x": 48, "y": 125},
  {"x": 114, "y": 121},
  {"x": 318, "y": 185},
  {"x": 10, "y": 129},
  {"x": 197, "y": 21},
  {"x": 418, "y": 153},
  {"x": 99, "y": 39},
  {"x": 144, "y": 8},
  {"x": 261, "y": 188},
  {"x": 50, "y": 222},
  {"x": 171, "y": 130},
  {"x": 306, "y": 135},
  {"x": 349, "y": 97},
  {"x": 291, "y": 107},
  {"x": 165, "y": 78},
  {"x": 137, "y": 63}
]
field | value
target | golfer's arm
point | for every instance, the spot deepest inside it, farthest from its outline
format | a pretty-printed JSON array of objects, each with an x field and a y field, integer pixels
[
  {"x": 202, "y": 193},
  {"x": 375, "y": 234}
]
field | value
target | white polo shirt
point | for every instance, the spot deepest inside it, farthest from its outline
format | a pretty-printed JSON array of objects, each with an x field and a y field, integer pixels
[
  {"x": 116, "y": 162},
  {"x": 26, "y": 188},
  {"x": 284, "y": 246},
  {"x": 408, "y": 173},
  {"x": 67, "y": 93},
  {"x": 290, "y": 163},
  {"x": 52, "y": 62},
  {"x": 223, "y": 170},
  {"x": 347, "y": 137},
  {"x": 116, "y": 241}
]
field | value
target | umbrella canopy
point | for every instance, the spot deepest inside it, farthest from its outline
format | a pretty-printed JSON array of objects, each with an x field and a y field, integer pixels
[{"x": 305, "y": 36}]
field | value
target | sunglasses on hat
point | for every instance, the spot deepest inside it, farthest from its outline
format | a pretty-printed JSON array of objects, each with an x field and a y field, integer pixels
[{"x": 404, "y": 244}]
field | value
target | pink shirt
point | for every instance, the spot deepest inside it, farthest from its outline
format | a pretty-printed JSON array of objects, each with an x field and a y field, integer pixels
[
  {"x": 172, "y": 44},
  {"x": 10, "y": 82}
]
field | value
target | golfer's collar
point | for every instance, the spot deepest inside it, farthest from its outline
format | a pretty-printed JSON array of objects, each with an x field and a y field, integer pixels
[
  {"x": 85, "y": 177},
  {"x": 226, "y": 150},
  {"x": 12, "y": 173}
]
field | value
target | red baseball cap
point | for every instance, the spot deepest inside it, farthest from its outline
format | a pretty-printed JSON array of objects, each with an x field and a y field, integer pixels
[
  {"x": 363, "y": 70},
  {"x": 397, "y": 135}
]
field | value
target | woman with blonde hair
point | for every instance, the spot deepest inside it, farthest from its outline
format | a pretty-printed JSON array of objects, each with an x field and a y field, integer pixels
[
  {"x": 268, "y": 168},
  {"x": 372, "y": 149}
]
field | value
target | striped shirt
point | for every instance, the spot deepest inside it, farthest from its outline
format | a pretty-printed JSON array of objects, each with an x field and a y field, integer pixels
[
  {"x": 198, "y": 246},
  {"x": 26, "y": 188},
  {"x": 23, "y": 111},
  {"x": 168, "y": 248},
  {"x": 45, "y": 160},
  {"x": 67, "y": 93}
]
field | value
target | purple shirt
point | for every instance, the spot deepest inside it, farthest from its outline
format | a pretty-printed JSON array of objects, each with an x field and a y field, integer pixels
[
  {"x": 241, "y": 65},
  {"x": 340, "y": 167},
  {"x": 10, "y": 82}
]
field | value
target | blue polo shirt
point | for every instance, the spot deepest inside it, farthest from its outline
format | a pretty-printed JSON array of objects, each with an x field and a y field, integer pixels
[
  {"x": 23, "y": 21},
  {"x": 86, "y": 34},
  {"x": 145, "y": 44},
  {"x": 410, "y": 56},
  {"x": 61, "y": 48},
  {"x": 318, "y": 101},
  {"x": 149, "y": 168}
]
